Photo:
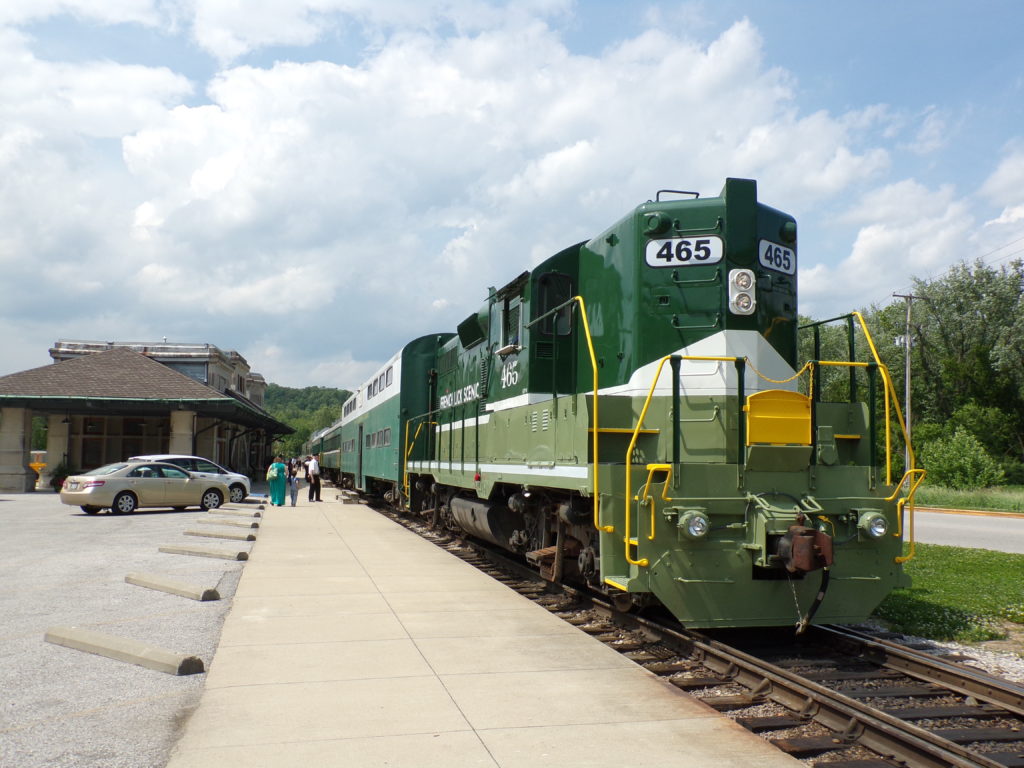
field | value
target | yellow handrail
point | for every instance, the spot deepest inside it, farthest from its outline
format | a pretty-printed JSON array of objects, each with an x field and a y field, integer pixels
[
  {"x": 632, "y": 444},
  {"x": 593, "y": 366},
  {"x": 901, "y": 504},
  {"x": 912, "y": 460},
  {"x": 651, "y": 469},
  {"x": 408, "y": 451}
]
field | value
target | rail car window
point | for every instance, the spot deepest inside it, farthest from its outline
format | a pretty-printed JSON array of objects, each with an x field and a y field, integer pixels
[
  {"x": 388, "y": 382},
  {"x": 555, "y": 290}
]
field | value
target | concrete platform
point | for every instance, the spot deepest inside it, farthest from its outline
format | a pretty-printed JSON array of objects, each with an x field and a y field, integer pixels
[{"x": 354, "y": 643}]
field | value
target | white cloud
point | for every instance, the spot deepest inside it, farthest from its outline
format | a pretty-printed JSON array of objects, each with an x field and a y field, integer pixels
[
  {"x": 933, "y": 134},
  {"x": 331, "y": 212},
  {"x": 106, "y": 11},
  {"x": 93, "y": 99},
  {"x": 230, "y": 28},
  {"x": 1005, "y": 186},
  {"x": 904, "y": 229}
]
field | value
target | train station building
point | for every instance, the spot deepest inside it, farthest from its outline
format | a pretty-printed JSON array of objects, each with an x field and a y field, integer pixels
[{"x": 106, "y": 401}]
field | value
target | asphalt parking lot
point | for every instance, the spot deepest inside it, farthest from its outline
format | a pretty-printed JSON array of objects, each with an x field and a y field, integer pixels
[{"x": 60, "y": 567}]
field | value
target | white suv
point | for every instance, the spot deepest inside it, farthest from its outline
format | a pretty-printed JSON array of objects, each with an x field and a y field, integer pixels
[{"x": 239, "y": 485}]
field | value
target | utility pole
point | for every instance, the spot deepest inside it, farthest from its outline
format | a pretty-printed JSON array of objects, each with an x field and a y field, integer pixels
[{"x": 909, "y": 298}]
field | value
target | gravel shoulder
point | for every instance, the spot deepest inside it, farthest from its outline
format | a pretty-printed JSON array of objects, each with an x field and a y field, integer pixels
[{"x": 60, "y": 567}]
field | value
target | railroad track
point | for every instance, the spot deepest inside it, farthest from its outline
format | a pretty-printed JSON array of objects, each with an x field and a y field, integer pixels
[{"x": 837, "y": 697}]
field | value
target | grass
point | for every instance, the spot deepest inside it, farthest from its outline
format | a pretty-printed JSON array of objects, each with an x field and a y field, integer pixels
[
  {"x": 1006, "y": 498},
  {"x": 958, "y": 594}
]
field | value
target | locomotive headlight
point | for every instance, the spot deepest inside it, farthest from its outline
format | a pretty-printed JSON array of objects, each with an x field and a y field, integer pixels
[
  {"x": 741, "y": 292},
  {"x": 694, "y": 525},
  {"x": 873, "y": 524}
]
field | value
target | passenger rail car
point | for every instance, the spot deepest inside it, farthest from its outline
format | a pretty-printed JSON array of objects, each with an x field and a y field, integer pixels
[
  {"x": 373, "y": 419},
  {"x": 631, "y": 413}
]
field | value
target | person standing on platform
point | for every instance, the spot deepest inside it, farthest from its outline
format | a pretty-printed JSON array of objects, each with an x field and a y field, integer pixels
[
  {"x": 293, "y": 480},
  {"x": 313, "y": 478},
  {"x": 277, "y": 478}
]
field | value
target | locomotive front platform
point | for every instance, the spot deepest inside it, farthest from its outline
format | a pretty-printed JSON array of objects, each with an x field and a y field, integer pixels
[{"x": 353, "y": 642}]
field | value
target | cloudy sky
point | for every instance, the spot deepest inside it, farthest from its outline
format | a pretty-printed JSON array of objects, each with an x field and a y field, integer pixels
[{"x": 314, "y": 182}]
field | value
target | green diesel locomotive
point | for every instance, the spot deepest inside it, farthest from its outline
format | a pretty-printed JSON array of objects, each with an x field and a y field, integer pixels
[{"x": 631, "y": 413}]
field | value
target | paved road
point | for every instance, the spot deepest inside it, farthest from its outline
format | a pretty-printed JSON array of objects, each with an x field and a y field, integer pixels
[
  {"x": 61, "y": 707},
  {"x": 1003, "y": 533}
]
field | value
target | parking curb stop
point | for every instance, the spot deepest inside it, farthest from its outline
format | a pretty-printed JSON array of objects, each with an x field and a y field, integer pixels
[
  {"x": 124, "y": 649},
  {"x": 219, "y": 553},
  {"x": 180, "y": 588}
]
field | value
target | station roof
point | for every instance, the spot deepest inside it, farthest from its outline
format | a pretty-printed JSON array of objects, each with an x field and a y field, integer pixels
[{"x": 124, "y": 382}]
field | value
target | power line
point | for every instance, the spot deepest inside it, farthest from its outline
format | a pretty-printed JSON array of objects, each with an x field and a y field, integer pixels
[{"x": 946, "y": 269}]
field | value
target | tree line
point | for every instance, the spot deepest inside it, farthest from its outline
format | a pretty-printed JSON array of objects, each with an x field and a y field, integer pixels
[{"x": 305, "y": 410}]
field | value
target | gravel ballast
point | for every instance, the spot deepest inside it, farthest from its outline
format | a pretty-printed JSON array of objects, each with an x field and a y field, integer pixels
[{"x": 58, "y": 566}]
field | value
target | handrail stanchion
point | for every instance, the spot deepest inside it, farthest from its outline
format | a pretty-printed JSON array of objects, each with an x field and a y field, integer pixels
[
  {"x": 627, "y": 538},
  {"x": 578, "y": 301},
  {"x": 904, "y": 503},
  {"x": 676, "y": 362},
  {"x": 408, "y": 449}
]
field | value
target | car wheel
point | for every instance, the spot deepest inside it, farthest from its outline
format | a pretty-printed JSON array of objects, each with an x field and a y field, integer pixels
[
  {"x": 90, "y": 510},
  {"x": 124, "y": 503},
  {"x": 237, "y": 494},
  {"x": 211, "y": 499}
]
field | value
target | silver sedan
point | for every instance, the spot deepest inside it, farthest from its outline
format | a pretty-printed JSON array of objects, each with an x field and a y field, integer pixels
[{"x": 129, "y": 485}]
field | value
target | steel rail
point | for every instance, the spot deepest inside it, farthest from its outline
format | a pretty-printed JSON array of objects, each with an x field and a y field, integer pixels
[
  {"x": 932, "y": 669},
  {"x": 853, "y": 721}
]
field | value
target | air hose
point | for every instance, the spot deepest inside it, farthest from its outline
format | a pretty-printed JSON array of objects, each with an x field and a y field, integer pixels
[{"x": 805, "y": 622}]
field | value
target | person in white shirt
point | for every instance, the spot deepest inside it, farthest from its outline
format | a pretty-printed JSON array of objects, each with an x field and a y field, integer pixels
[{"x": 313, "y": 478}]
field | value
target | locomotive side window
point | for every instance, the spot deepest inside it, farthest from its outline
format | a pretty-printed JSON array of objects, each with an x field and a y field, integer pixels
[
  {"x": 510, "y": 324},
  {"x": 555, "y": 289}
]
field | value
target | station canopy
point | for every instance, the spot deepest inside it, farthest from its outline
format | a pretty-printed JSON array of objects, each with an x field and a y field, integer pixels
[{"x": 127, "y": 383}]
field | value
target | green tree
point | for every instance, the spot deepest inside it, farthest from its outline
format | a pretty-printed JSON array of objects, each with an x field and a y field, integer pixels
[
  {"x": 959, "y": 461},
  {"x": 967, "y": 365},
  {"x": 305, "y": 410}
]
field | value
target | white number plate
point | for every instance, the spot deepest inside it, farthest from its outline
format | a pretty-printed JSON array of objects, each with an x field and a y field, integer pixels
[
  {"x": 777, "y": 257},
  {"x": 72, "y": 486},
  {"x": 684, "y": 251}
]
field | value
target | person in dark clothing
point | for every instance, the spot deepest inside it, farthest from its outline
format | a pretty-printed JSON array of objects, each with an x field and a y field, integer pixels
[{"x": 313, "y": 478}]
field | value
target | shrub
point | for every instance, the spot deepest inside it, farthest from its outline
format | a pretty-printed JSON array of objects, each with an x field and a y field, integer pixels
[
  {"x": 1013, "y": 471},
  {"x": 959, "y": 461}
]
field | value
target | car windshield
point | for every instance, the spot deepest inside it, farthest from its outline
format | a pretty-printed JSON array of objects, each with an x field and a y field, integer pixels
[{"x": 105, "y": 470}]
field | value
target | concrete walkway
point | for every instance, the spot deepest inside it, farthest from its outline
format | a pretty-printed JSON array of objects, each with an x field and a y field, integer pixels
[{"x": 353, "y": 642}]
